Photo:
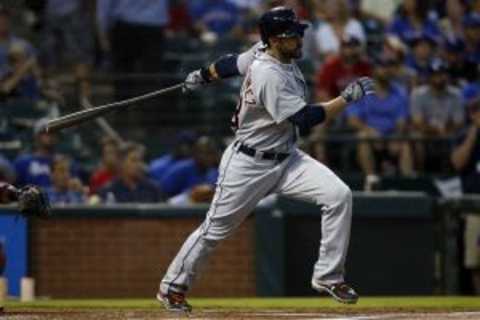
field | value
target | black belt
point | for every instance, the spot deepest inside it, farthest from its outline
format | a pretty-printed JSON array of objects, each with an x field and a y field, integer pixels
[{"x": 262, "y": 155}]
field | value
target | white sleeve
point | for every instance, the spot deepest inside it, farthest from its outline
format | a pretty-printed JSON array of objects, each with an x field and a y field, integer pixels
[
  {"x": 272, "y": 91},
  {"x": 246, "y": 58}
]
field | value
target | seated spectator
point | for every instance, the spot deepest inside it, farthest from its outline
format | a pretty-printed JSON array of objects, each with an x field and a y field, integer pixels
[
  {"x": 35, "y": 168},
  {"x": 379, "y": 116},
  {"x": 21, "y": 76},
  {"x": 7, "y": 38},
  {"x": 198, "y": 170},
  {"x": 182, "y": 149},
  {"x": 339, "y": 24},
  {"x": 465, "y": 159},
  {"x": 412, "y": 18},
  {"x": 341, "y": 69},
  {"x": 108, "y": 167},
  {"x": 395, "y": 50},
  {"x": 131, "y": 185},
  {"x": 422, "y": 51},
  {"x": 460, "y": 69},
  {"x": 65, "y": 189},
  {"x": 437, "y": 112}
]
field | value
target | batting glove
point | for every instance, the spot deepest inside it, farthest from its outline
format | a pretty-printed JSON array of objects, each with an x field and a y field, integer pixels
[
  {"x": 358, "y": 89},
  {"x": 194, "y": 81}
]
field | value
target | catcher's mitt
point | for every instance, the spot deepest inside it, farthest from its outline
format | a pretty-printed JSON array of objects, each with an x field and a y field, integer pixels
[{"x": 32, "y": 201}]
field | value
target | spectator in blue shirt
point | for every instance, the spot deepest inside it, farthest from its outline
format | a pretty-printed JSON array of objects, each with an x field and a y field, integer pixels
[
  {"x": 201, "y": 169},
  {"x": 35, "y": 168},
  {"x": 380, "y": 116},
  {"x": 65, "y": 189},
  {"x": 219, "y": 17},
  {"x": 413, "y": 18},
  {"x": 182, "y": 149},
  {"x": 132, "y": 185}
]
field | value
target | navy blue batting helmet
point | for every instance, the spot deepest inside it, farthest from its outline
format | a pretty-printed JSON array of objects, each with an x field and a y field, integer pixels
[{"x": 280, "y": 22}]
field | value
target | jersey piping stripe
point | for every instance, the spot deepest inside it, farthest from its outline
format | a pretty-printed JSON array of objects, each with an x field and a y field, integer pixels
[{"x": 208, "y": 225}]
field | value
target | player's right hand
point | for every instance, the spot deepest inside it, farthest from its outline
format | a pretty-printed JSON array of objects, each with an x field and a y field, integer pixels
[
  {"x": 194, "y": 81},
  {"x": 358, "y": 89}
]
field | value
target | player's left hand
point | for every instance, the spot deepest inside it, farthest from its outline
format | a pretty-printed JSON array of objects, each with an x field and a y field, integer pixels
[
  {"x": 358, "y": 89},
  {"x": 194, "y": 81}
]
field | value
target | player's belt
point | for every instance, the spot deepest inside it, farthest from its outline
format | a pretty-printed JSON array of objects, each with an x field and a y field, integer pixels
[{"x": 262, "y": 155}]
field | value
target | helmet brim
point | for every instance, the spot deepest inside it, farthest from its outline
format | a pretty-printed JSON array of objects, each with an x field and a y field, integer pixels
[{"x": 296, "y": 30}]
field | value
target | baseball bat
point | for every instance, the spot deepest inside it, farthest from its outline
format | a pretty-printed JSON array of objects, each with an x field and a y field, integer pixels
[
  {"x": 104, "y": 125},
  {"x": 76, "y": 118}
]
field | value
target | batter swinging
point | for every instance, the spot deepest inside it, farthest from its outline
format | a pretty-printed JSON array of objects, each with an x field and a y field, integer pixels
[{"x": 264, "y": 159}]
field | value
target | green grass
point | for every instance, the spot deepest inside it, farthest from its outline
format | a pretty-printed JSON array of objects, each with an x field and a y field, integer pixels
[{"x": 401, "y": 303}]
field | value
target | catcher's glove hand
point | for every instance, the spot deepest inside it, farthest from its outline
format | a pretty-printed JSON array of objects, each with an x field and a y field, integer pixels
[{"x": 32, "y": 201}]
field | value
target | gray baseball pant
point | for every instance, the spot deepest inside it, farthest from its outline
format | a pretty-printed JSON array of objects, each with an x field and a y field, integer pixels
[{"x": 243, "y": 181}]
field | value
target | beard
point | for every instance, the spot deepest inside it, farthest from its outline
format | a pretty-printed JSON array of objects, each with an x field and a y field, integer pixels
[{"x": 296, "y": 53}]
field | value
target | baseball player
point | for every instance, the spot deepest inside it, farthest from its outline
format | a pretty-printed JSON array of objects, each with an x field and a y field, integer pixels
[{"x": 263, "y": 158}]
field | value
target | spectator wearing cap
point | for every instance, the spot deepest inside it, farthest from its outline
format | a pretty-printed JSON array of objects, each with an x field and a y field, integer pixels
[
  {"x": 437, "y": 111},
  {"x": 342, "y": 68},
  {"x": 465, "y": 159},
  {"x": 338, "y": 23},
  {"x": 35, "y": 168},
  {"x": 108, "y": 168},
  {"x": 200, "y": 169},
  {"x": 411, "y": 18},
  {"x": 182, "y": 149},
  {"x": 65, "y": 189},
  {"x": 422, "y": 51},
  {"x": 67, "y": 39},
  {"x": 131, "y": 185},
  {"x": 380, "y": 116}
]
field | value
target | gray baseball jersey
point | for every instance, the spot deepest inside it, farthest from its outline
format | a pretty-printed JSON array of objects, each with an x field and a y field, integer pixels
[{"x": 271, "y": 92}]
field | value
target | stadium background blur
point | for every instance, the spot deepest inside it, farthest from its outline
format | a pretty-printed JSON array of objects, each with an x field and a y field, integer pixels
[{"x": 55, "y": 55}]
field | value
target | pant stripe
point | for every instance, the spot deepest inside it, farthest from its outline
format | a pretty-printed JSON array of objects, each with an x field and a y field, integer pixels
[{"x": 206, "y": 228}]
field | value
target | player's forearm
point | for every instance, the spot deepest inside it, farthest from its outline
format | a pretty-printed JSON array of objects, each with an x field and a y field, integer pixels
[{"x": 334, "y": 107}]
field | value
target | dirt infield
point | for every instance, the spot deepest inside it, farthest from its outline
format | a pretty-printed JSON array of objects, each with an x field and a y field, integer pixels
[{"x": 234, "y": 315}]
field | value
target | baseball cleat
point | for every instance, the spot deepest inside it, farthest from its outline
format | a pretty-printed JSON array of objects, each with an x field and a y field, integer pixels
[
  {"x": 174, "y": 301},
  {"x": 341, "y": 292}
]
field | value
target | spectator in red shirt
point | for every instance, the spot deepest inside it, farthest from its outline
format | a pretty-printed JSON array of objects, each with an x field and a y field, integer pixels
[
  {"x": 108, "y": 167},
  {"x": 341, "y": 69}
]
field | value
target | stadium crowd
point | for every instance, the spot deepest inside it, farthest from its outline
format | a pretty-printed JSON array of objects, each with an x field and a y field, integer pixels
[{"x": 424, "y": 56}]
